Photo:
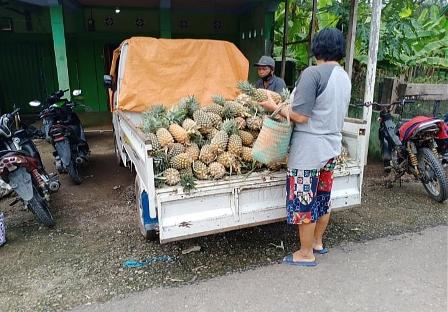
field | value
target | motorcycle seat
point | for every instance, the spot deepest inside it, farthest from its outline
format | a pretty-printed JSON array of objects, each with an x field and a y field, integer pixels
[
  {"x": 400, "y": 124},
  {"x": 11, "y": 153}
]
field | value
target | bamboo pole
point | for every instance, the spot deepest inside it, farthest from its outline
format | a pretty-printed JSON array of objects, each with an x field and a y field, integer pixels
[
  {"x": 351, "y": 37},
  {"x": 312, "y": 31},
  {"x": 285, "y": 40}
]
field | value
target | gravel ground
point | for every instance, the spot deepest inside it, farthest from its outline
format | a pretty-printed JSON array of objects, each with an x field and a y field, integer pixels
[{"x": 80, "y": 260}]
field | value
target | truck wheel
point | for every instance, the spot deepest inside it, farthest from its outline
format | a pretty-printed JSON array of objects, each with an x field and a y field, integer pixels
[
  {"x": 39, "y": 207},
  {"x": 153, "y": 234}
]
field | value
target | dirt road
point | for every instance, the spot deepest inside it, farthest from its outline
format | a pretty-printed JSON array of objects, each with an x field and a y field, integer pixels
[{"x": 80, "y": 261}]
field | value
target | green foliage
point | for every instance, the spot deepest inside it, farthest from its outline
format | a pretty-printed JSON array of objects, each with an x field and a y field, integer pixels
[{"x": 413, "y": 33}]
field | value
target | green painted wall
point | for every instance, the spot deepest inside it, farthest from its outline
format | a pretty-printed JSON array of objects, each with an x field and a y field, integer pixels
[
  {"x": 89, "y": 52},
  {"x": 251, "y": 41},
  {"x": 27, "y": 68},
  {"x": 17, "y": 11}
]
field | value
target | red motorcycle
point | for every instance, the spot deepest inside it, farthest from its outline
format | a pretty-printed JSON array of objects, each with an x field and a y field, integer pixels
[{"x": 411, "y": 147}]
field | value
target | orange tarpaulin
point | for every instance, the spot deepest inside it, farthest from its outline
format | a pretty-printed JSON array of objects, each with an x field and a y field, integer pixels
[{"x": 162, "y": 71}]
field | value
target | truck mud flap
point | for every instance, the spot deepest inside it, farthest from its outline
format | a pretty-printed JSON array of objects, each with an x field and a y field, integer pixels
[{"x": 20, "y": 181}]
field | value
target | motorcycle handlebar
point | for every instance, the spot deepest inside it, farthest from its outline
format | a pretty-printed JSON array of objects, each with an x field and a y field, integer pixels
[
  {"x": 402, "y": 102},
  {"x": 11, "y": 114}
]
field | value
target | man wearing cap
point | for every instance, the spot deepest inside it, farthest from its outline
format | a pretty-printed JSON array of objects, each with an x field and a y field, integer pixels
[{"x": 265, "y": 69}]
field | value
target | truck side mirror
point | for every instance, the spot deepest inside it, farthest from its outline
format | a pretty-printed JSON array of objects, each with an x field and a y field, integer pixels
[{"x": 109, "y": 82}]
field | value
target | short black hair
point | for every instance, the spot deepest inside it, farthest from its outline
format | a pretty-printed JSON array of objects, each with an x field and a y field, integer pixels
[{"x": 328, "y": 45}]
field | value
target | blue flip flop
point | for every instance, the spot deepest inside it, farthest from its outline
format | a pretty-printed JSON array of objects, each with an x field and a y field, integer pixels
[
  {"x": 322, "y": 251},
  {"x": 289, "y": 260}
]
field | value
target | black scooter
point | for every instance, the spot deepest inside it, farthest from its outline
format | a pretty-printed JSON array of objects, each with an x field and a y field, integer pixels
[
  {"x": 22, "y": 168},
  {"x": 410, "y": 147},
  {"x": 64, "y": 131}
]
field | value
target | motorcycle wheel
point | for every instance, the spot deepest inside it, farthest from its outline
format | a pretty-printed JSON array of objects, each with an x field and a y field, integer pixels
[
  {"x": 40, "y": 208},
  {"x": 433, "y": 176},
  {"x": 74, "y": 173}
]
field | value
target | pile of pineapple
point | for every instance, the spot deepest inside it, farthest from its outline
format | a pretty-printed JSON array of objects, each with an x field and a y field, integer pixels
[{"x": 192, "y": 143}]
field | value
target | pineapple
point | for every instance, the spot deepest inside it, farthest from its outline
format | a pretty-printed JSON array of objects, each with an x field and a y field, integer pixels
[
  {"x": 181, "y": 161},
  {"x": 221, "y": 138},
  {"x": 246, "y": 138},
  {"x": 254, "y": 133},
  {"x": 160, "y": 161},
  {"x": 203, "y": 120},
  {"x": 285, "y": 95},
  {"x": 153, "y": 121},
  {"x": 193, "y": 151},
  {"x": 176, "y": 116},
  {"x": 219, "y": 141},
  {"x": 179, "y": 134},
  {"x": 229, "y": 161},
  {"x": 234, "y": 109},
  {"x": 235, "y": 145},
  {"x": 241, "y": 122},
  {"x": 246, "y": 154},
  {"x": 207, "y": 155},
  {"x": 254, "y": 123},
  {"x": 172, "y": 176},
  {"x": 164, "y": 137},
  {"x": 155, "y": 145},
  {"x": 188, "y": 182},
  {"x": 214, "y": 108},
  {"x": 189, "y": 104},
  {"x": 244, "y": 99},
  {"x": 198, "y": 139},
  {"x": 186, "y": 171},
  {"x": 218, "y": 99},
  {"x": 259, "y": 95},
  {"x": 190, "y": 125},
  {"x": 216, "y": 170},
  {"x": 216, "y": 119},
  {"x": 175, "y": 149},
  {"x": 212, "y": 133},
  {"x": 200, "y": 170}
]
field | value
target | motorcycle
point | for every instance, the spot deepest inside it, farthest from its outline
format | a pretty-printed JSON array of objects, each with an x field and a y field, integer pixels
[
  {"x": 22, "y": 168},
  {"x": 410, "y": 147},
  {"x": 443, "y": 144},
  {"x": 64, "y": 131}
]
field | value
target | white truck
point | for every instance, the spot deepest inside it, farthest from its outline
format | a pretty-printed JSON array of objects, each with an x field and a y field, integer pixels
[{"x": 170, "y": 214}]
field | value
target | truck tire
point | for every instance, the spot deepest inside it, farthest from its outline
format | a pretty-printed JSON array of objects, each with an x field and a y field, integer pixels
[
  {"x": 433, "y": 175},
  {"x": 40, "y": 208},
  {"x": 152, "y": 235}
]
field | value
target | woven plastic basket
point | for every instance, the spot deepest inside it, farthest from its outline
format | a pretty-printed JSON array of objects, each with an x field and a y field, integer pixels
[{"x": 272, "y": 143}]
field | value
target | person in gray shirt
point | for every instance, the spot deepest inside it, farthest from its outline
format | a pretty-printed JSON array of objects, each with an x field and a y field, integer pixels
[
  {"x": 265, "y": 69},
  {"x": 317, "y": 110}
]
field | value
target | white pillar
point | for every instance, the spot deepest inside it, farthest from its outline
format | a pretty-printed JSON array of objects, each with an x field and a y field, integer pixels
[{"x": 371, "y": 69}]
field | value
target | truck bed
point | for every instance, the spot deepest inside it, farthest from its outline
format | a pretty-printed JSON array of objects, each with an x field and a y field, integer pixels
[{"x": 234, "y": 202}]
